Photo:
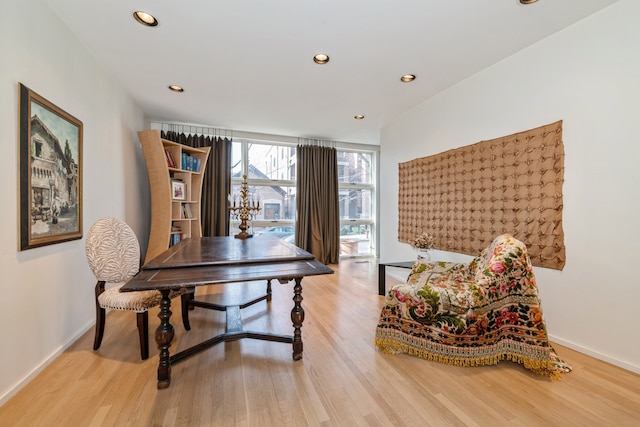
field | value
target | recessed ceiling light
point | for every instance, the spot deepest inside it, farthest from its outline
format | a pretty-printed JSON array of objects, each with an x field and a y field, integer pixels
[
  {"x": 408, "y": 78},
  {"x": 176, "y": 88},
  {"x": 528, "y": 1},
  {"x": 321, "y": 58},
  {"x": 358, "y": 117},
  {"x": 145, "y": 19}
]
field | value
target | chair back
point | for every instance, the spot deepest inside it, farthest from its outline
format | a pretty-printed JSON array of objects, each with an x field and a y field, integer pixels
[
  {"x": 112, "y": 250},
  {"x": 505, "y": 255}
]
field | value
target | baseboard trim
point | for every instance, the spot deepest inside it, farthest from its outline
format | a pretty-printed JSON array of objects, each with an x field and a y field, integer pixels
[
  {"x": 595, "y": 354},
  {"x": 397, "y": 273},
  {"x": 46, "y": 362}
]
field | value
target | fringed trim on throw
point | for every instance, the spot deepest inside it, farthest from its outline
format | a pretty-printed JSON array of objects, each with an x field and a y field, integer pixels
[{"x": 541, "y": 367}]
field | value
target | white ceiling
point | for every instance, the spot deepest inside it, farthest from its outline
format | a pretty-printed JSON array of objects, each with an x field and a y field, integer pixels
[{"x": 247, "y": 64}]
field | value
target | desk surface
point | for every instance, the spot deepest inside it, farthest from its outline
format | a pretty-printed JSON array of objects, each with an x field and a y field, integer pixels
[
  {"x": 174, "y": 278},
  {"x": 209, "y": 260},
  {"x": 227, "y": 250}
]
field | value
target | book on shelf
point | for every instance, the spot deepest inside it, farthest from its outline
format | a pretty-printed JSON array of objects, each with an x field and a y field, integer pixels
[
  {"x": 175, "y": 239},
  {"x": 186, "y": 211},
  {"x": 191, "y": 163},
  {"x": 176, "y": 235},
  {"x": 171, "y": 162}
]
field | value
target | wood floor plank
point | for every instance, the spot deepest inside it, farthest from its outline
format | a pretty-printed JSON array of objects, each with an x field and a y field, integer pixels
[{"x": 341, "y": 381}]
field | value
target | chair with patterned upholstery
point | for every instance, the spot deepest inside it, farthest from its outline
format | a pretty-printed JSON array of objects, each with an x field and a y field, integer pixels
[
  {"x": 113, "y": 254},
  {"x": 471, "y": 314}
]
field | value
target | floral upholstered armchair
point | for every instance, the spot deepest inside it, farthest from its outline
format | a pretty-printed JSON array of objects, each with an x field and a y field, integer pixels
[{"x": 471, "y": 314}]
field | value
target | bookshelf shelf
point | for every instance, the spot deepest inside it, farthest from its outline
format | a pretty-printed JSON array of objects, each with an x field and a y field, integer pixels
[{"x": 176, "y": 175}]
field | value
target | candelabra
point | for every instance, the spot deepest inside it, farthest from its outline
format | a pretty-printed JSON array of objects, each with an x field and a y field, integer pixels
[{"x": 244, "y": 209}]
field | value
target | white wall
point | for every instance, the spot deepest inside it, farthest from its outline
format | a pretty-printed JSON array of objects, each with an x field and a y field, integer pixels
[
  {"x": 47, "y": 293},
  {"x": 589, "y": 76}
]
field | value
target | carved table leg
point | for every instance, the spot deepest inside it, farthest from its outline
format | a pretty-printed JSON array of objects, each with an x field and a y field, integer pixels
[
  {"x": 164, "y": 337},
  {"x": 297, "y": 317}
]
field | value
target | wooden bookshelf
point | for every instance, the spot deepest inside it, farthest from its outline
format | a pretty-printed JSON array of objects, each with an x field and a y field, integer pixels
[{"x": 176, "y": 175}]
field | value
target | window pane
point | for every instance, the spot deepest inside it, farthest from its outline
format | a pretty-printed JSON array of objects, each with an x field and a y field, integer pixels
[
  {"x": 286, "y": 232},
  {"x": 277, "y": 202},
  {"x": 236, "y": 158},
  {"x": 355, "y": 203},
  {"x": 273, "y": 162},
  {"x": 354, "y": 167},
  {"x": 355, "y": 239}
]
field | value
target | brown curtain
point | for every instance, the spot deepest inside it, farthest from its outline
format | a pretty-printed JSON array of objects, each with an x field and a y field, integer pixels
[
  {"x": 217, "y": 180},
  {"x": 318, "y": 222}
]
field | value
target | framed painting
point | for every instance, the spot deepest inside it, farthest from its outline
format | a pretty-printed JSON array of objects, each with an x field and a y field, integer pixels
[{"x": 50, "y": 172}]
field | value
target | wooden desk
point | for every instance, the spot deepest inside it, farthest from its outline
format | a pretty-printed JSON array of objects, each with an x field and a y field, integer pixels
[{"x": 211, "y": 260}]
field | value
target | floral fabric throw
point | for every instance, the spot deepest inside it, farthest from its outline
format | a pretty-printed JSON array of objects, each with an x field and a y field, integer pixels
[{"x": 471, "y": 314}]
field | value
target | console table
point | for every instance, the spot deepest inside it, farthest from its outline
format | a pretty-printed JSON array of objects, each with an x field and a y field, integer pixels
[
  {"x": 211, "y": 260},
  {"x": 382, "y": 273}
]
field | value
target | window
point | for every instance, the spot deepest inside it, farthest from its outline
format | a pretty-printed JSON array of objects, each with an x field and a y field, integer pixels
[
  {"x": 38, "y": 148},
  {"x": 270, "y": 167},
  {"x": 356, "y": 202}
]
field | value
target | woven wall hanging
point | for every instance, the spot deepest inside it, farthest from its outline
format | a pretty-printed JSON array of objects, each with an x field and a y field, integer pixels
[{"x": 467, "y": 196}]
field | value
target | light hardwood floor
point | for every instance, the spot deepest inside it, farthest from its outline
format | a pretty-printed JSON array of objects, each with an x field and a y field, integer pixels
[{"x": 342, "y": 380}]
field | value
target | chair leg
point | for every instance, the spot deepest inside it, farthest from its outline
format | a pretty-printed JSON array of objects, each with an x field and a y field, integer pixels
[
  {"x": 100, "y": 315},
  {"x": 185, "y": 299},
  {"x": 143, "y": 332}
]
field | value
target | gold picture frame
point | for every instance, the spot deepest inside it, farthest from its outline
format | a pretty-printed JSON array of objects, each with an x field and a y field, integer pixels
[{"x": 50, "y": 172}]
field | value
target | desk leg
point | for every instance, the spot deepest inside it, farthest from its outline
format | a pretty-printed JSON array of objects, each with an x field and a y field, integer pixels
[
  {"x": 297, "y": 317},
  {"x": 382, "y": 279},
  {"x": 164, "y": 336}
]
